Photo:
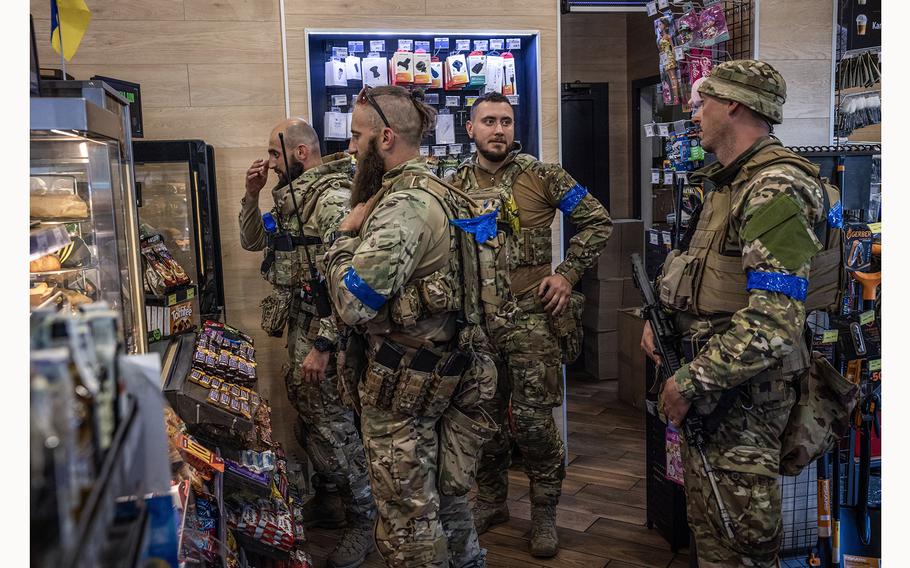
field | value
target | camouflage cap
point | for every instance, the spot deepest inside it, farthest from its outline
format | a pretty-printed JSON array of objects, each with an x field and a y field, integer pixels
[{"x": 750, "y": 82}]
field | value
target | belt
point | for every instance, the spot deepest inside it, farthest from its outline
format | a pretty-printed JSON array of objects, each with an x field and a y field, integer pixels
[{"x": 306, "y": 240}]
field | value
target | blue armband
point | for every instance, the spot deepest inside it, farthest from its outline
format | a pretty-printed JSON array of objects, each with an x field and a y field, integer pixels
[
  {"x": 572, "y": 198},
  {"x": 362, "y": 291},
  {"x": 788, "y": 284}
]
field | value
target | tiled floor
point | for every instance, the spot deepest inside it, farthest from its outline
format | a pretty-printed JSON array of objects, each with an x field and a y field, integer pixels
[{"x": 601, "y": 516}]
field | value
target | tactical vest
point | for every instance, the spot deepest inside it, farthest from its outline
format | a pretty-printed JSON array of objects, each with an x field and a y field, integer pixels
[{"x": 708, "y": 279}]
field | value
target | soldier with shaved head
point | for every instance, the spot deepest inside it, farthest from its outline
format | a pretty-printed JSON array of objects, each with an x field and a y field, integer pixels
[{"x": 325, "y": 427}]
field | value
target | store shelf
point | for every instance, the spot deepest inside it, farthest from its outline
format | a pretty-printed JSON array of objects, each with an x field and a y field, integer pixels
[
  {"x": 64, "y": 270},
  {"x": 60, "y": 221},
  {"x": 47, "y": 239},
  {"x": 50, "y": 300}
]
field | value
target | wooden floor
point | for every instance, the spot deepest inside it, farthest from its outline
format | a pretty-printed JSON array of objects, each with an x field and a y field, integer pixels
[{"x": 601, "y": 515}]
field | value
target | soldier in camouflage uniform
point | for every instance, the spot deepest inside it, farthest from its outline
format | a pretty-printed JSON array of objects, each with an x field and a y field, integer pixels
[
  {"x": 529, "y": 193},
  {"x": 326, "y": 428},
  {"x": 738, "y": 293},
  {"x": 394, "y": 274}
]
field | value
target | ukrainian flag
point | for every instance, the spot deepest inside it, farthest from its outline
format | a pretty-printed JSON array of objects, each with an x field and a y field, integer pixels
[{"x": 70, "y": 19}]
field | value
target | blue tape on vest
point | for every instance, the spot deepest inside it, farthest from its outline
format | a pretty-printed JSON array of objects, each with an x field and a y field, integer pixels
[
  {"x": 572, "y": 198},
  {"x": 788, "y": 284},
  {"x": 362, "y": 291},
  {"x": 482, "y": 227},
  {"x": 836, "y": 216}
]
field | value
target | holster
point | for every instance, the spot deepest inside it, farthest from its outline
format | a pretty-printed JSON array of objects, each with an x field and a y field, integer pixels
[
  {"x": 275, "y": 310},
  {"x": 567, "y": 328},
  {"x": 461, "y": 437},
  {"x": 351, "y": 362}
]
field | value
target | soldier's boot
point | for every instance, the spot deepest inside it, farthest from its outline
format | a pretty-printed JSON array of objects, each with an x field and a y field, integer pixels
[
  {"x": 544, "y": 540},
  {"x": 357, "y": 542},
  {"x": 325, "y": 510},
  {"x": 487, "y": 515}
]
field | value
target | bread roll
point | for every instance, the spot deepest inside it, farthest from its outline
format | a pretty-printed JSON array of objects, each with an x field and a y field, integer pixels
[
  {"x": 58, "y": 206},
  {"x": 44, "y": 264}
]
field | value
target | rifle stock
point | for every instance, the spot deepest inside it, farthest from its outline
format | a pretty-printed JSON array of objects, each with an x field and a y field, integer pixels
[{"x": 666, "y": 341}]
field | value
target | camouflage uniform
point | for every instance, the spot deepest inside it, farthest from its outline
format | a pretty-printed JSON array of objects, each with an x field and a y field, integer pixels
[
  {"x": 331, "y": 439},
  {"x": 530, "y": 193},
  {"x": 757, "y": 223},
  {"x": 406, "y": 244}
]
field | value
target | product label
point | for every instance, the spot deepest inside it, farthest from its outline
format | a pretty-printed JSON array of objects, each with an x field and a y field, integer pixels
[
  {"x": 439, "y": 150},
  {"x": 679, "y": 52},
  {"x": 668, "y": 177},
  {"x": 424, "y": 151},
  {"x": 654, "y": 238},
  {"x": 513, "y": 43},
  {"x": 355, "y": 46},
  {"x": 655, "y": 176},
  {"x": 441, "y": 42},
  {"x": 377, "y": 45},
  {"x": 455, "y": 149},
  {"x": 462, "y": 45},
  {"x": 875, "y": 365},
  {"x": 469, "y": 101},
  {"x": 663, "y": 129},
  {"x": 341, "y": 52},
  {"x": 829, "y": 336},
  {"x": 453, "y": 101},
  {"x": 481, "y": 45},
  {"x": 867, "y": 317},
  {"x": 876, "y": 228},
  {"x": 422, "y": 45},
  {"x": 513, "y": 99},
  {"x": 339, "y": 100},
  {"x": 663, "y": 4},
  {"x": 497, "y": 44},
  {"x": 652, "y": 8},
  {"x": 406, "y": 45}
]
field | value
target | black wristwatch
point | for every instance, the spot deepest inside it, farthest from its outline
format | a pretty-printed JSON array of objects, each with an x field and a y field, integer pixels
[
  {"x": 323, "y": 345},
  {"x": 338, "y": 234}
]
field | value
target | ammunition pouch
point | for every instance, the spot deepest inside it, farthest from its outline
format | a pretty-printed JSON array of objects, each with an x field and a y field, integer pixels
[
  {"x": 567, "y": 328},
  {"x": 678, "y": 283},
  {"x": 819, "y": 418},
  {"x": 434, "y": 294},
  {"x": 461, "y": 438},
  {"x": 276, "y": 308},
  {"x": 531, "y": 247}
]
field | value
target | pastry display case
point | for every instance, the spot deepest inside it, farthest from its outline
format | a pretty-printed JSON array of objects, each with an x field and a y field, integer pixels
[{"x": 84, "y": 233}]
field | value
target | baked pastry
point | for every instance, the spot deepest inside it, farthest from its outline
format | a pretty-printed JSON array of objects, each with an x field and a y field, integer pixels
[
  {"x": 76, "y": 298},
  {"x": 44, "y": 264},
  {"x": 38, "y": 293},
  {"x": 57, "y": 206}
]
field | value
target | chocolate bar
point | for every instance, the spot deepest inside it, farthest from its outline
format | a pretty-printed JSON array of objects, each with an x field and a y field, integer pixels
[{"x": 214, "y": 395}]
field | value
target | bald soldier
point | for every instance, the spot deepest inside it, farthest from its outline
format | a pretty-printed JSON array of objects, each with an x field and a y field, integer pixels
[{"x": 293, "y": 234}]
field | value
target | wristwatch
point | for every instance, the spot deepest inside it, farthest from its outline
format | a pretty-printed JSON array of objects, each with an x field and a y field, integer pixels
[
  {"x": 323, "y": 345},
  {"x": 338, "y": 234}
]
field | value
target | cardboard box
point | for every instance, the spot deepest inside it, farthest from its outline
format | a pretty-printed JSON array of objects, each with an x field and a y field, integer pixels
[
  {"x": 600, "y": 355},
  {"x": 630, "y": 359},
  {"x": 627, "y": 238}
]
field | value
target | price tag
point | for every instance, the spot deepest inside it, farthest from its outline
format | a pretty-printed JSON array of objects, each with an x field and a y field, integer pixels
[
  {"x": 462, "y": 45},
  {"x": 667, "y": 238},
  {"x": 377, "y": 45},
  {"x": 652, "y": 8},
  {"x": 497, "y": 44},
  {"x": 866, "y": 318},
  {"x": 455, "y": 149},
  {"x": 663, "y": 4},
  {"x": 513, "y": 43},
  {"x": 439, "y": 150},
  {"x": 655, "y": 176},
  {"x": 679, "y": 52},
  {"x": 684, "y": 176},
  {"x": 653, "y": 237},
  {"x": 663, "y": 129},
  {"x": 469, "y": 101},
  {"x": 441, "y": 42},
  {"x": 422, "y": 45},
  {"x": 341, "y": 52},
  {"x": 668, "y": 177},
  {"x": 876, "y": 228},
  {"x": 473, "y": 147},
  {"x": 191, "y": 293},
  {"x": 172, "y": 299},
  {"x": 830, "y": 336},
  {"x": 481, "y": 45},
  {"x": 452, "y": 102},
  {"x": 355, "y": 46},
  {"x": 513, "y": 99},
  {"x": 431, "y": 98},
  {"x": 339, "y": 100},
  {"x": 875, "y": 364},
  {"x": 424, "y": 151},
  {"x": 406, "y": 45}
]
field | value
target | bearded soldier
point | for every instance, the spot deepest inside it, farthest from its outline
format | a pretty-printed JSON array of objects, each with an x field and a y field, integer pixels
[{"x": 293, "y": 234}]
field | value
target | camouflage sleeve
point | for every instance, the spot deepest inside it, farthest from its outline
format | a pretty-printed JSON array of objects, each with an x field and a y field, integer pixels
[
  {"x": 331, "y": 208},
  {"x": 776, "y": 217},
  {"x": 252, "y": 234},
  {"x": 364, "y": 273},
  {"x": 588, "y": 215}
]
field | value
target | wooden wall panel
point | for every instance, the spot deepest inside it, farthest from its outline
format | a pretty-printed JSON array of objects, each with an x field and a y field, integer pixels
[
  {"x": 230, "y": 127},
  {"x": 312, "y": 8},
  {"x": 238, "y": 84},
  {"x": 120, "y": 10},
  {"x": 163, "y": 86},
  {"x": 233, "y": 10}
]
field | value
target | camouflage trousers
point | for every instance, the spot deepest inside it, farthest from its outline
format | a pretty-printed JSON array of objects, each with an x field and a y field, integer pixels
[
  {"x": 418, "y": 526},
  {"x": 331, "y": 439},
  {"x": 530, "y": 375},
  {"x": 744, "y": 454}
]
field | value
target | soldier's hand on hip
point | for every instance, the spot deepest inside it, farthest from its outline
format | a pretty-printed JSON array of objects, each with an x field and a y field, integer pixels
[
  {"x": 647, "y": 343},
  {"x": 312, "y": 370},
  {"x": 256, "y": 177},
  {"x": 674, "y": 405},
  {"x": 554, "y": 292}
]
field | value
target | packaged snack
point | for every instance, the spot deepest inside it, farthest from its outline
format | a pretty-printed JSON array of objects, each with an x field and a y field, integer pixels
[{"x": 713, "y": 25}]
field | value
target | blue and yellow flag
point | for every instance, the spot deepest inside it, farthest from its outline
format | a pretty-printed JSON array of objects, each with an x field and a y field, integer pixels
[{"x": 70, "y": 19}]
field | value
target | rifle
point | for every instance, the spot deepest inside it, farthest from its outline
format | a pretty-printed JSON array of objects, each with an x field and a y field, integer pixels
[
  {"x": 314, "y": 287},
  {"x": 666, "y": 339}
]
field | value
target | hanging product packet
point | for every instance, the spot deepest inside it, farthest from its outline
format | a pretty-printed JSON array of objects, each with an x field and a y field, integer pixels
[
  {"x": 494, "y": 74},
  {"x": 664, "y": 30},
  {"x": 456, "y": 71},
  {"x": 335, "y": 74},
  {"x": 336, "y": 125},
  {"x": 435, "y": 73},
  {"x": 669, "y": 86},
  {"x": 687, "y": 27},
  {"x": 477, "y": 64},
  {"x": 352, "y": 68},
  {"x": 509, "y": 85},
  {"x": 422, "y": 74},
  {"x": 445, "y": 129},
  {"x": 699, "y": 64},
  {"x": 375, "y": 71},
  {"x": 713, "y": 25},
  {"x": 402, "y": 68}
]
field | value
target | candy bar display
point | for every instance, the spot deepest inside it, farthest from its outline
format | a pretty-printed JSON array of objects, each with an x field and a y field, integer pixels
[
  {"x": 452, "y": 70},
  {"x": 162, "y": 273}
]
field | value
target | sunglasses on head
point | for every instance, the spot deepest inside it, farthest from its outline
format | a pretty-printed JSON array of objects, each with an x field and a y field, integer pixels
[{"x": 366, "y": 97}]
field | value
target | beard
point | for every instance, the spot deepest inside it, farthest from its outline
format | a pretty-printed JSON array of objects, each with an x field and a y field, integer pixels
[
  {"x": 494, "y": 156},
  {"x": 368, "y": 177},
  {"x": 296, "y": 170}
]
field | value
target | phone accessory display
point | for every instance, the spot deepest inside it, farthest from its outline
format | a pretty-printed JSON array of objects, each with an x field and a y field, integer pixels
[
  {"x": 477, "y": 63},
  {"x": 335, "y": 73},
  {"x": 352, "y": 68},
  {"x": 422, "y": 74},
  {"x": 402, "y": 68},
  {"x": 509, "y": 86},
  {"x": 375, "y": 71},
  {"x": 456, "y": 71}
]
